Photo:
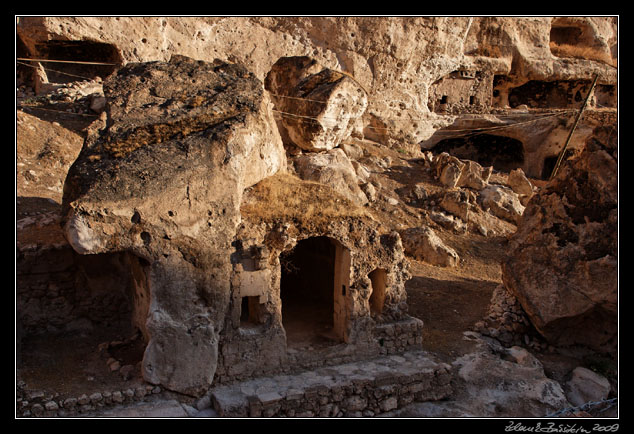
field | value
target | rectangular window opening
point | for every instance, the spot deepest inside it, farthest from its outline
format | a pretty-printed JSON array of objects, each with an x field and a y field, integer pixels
[{"x": 250, "y": 311}]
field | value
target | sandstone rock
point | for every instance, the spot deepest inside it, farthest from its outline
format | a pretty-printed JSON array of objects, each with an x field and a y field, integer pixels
[
  {"x": 354, "y": 152},
  {"x": 453, "y": 172},
  {"x": 458, "y": 203},
  {"x": 568, "y": 238},
  {"x": 362, "y": 172},
  {"x": 142, "y": 186},
  {"x": 332, "y": 168},
  {"x": 370, "y": 191},
  {"x": 474, "y": 176},
  {"x": 448, "y": 221},
  {"x": 402, "y": 67},
  {"x": 499, "y": 381},
  {"x": 447, "y": 169},
  {"x": 586, "y": 386},
  {"x": 502, "y": 202},
  {"x": 423, "y": 244},
  {"x": 318, "y": 107},
  {"x": 520, "y": 183}
]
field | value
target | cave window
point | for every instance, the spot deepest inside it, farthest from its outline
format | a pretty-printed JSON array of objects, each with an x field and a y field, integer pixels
[
  {"x": 250, "y": 311},
  {"x": 314, "y": 283},
  {"x": 472, "y": 100},
  {"x": 378, "y": 278},
  {"x": 443, "y": 99}
]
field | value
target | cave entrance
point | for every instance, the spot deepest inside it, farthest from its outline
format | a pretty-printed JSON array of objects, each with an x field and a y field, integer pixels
[
  {"x": 94, "y": 59},
  {"x": 549, "y": 94},
  {"x": 503, "y": 153},
  {"x": 565, "y": 35},
  {"x": 314, "y": 284},
  {"x": 551, "y": 161}
]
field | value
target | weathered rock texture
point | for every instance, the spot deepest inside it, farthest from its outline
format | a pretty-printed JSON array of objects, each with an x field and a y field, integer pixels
[
  {"x": 163, "y": 181},
  {"x": 214, "y": 271},
  {"x": 406, "y": 64},
  {"x": 493, "y": 381},
  {"x": 562, "y": 261},
  {"x": 317, "y": 106}
]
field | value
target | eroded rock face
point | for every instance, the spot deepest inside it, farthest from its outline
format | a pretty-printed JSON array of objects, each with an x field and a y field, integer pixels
[
  {"x": 562, "y": 261},
  {"x": 397, "y": 59},
  {"x": 317, "y": 106},
  {"x": 163, "y": 181}
]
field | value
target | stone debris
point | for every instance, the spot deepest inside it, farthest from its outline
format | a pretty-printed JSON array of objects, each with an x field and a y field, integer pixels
[
  {"x": 423, "y": 244},
  {"x": 494, "y": 381},
  {"x": 502, "y": 202},
  {"x": 519, "y": 182},
  {"x": 453, "y": 172},
  {"x": 355, "y": 389}
]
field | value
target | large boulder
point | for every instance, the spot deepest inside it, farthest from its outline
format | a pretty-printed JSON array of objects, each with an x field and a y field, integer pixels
[
  {"x": 318, "y": 107},
  {"x": 562, "y": 261},
  {"x": 453, "y": 172},
  {"x": 163, "y": 181}
]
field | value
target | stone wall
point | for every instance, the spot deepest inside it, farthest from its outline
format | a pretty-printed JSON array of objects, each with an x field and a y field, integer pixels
[
  {"x": 59, "y": 291},
  {"x": 40, "y": 404},
  {"x": 361, "y": 389}
]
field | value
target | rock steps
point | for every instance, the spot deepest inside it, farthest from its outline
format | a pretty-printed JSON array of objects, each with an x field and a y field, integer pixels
[{"x": 359, "y": 389}]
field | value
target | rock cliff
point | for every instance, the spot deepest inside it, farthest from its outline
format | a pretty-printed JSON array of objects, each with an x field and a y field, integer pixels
[{"x": 399, "y": 61}]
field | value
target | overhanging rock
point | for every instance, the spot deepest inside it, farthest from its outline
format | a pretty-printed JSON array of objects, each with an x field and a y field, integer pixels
[{"x": 163, "y": 181}]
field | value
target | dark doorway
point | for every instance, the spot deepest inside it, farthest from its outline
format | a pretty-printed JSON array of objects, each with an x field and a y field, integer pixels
[{"x": 308, "y": 289}]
